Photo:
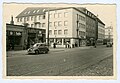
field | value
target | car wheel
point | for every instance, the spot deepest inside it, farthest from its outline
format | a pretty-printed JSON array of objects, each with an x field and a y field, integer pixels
[{"x": 36, "y": 52}]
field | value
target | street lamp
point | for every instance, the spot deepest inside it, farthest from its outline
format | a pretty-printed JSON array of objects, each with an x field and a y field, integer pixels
[
  {"x": 48, "y": 26},
  {"x": 77, "y": 31}
]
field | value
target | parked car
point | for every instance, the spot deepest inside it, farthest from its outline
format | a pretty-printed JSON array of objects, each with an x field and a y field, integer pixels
[
  {"x": 109, "y": 44},
  {"x": 38, "y": 48}
]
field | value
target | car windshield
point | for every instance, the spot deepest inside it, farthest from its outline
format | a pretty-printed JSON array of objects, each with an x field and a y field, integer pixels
[{"x": 36, "y": 45}]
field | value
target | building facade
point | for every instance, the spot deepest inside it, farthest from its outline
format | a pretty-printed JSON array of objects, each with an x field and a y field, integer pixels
[
  {"x": 20, "y": 37},
  {"x": 101, "y": 32},
  {"x": 70, "y": 25},
  {"x": 109, "y": 33}
]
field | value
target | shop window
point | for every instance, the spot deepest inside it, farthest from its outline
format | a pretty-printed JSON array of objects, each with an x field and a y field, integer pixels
[
  {"x": 66, "y": 40},
  {"x": 59, "y": 41}
]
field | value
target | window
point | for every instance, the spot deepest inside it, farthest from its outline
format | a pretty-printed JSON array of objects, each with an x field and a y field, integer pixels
[
  {"x": 17, "y": 19},
  {"x": 55, "y": 15},
  {"x": 59, "y": 32},
  {"x": 50, "y": 32},
  {"x": 31, "y": 25},
  {"x": 20, "y": 19},
  {"x": 55, "y": 32},
  {"x": 65, "y": 23},
  {"x": 38, "y": 11},
  {"x": 35, "y": 25},
  {"x": 59, "y": 23},
  {"x": 34, "y": 11},
  {"x": 28, "y": 12},
  {"x": 55, "y": 23},
  {"x": 27, "y": 18},
  {"x": 50, "y": 15},
  {"x": 65, "y": 31},
  {"x": 31, "y": 18},
  {"x": 39, "y": 17},
  {"x": 59, "y": 15},
  {"x": 40, "y": 25},
  {"x": 43, "y": 24},
  {"x": 50, "y": 24},
  {"x": 35, "y": 18},
  {"x": 66, "y": 14},
  {"x": 43, "y": 16}
]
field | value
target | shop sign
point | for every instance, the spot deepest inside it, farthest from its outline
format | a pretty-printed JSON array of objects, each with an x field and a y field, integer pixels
[
  {"x": 11, "y": 33},
  {"x": 18, "y": 33},
  {"x": 15, "y": 33}
]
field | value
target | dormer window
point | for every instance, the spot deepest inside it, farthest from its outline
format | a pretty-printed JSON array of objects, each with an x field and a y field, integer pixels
[
  {"x": 25, "y": 13},
  {"x": 38, "y": 11},
  {"x": 28, "y": 12},
  {"x": 34, "y": 11}
]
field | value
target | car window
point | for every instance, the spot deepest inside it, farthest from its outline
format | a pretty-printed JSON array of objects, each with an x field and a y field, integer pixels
[{"x": 42, "y": 45}]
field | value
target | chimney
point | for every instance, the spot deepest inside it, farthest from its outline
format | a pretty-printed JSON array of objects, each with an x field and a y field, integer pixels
[{"x": 12, "y": 22}]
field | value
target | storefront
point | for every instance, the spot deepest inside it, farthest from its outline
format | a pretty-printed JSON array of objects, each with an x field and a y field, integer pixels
[{"x": 19, "y": 37}]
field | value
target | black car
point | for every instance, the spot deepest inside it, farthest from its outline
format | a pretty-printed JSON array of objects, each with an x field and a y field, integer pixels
[
  {"x": 109, "y": 44},
  {"x": 38, "y": 48}
]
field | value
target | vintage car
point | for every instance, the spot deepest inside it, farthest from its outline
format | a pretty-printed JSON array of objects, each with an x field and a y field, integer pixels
[
  {"x": 109, "y": 44},
  {"x": 38, "y": 48}
]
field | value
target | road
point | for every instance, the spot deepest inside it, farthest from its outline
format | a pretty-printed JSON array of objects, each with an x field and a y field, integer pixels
[{"x": 63, "y": 63}]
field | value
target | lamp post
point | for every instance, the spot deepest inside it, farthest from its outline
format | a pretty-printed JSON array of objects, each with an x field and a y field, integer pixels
[
  {"x": 77, "y": 30},
  {"x": 47, "y": 27}
]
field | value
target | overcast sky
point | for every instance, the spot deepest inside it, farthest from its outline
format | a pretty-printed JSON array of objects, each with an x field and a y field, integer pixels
[{"x": 107, "y": 13}]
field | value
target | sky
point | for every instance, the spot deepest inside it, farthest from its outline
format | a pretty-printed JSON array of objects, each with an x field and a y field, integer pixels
[{"x": 107, "y": 13}]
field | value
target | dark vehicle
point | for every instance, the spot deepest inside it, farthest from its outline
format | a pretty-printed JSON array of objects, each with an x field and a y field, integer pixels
[
  {"x": 38, "y": 48},
  {"x": 109, "y": 44}
]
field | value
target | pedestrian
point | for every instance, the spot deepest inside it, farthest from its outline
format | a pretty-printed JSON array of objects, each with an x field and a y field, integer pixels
[{"x": 54, "y": 45}]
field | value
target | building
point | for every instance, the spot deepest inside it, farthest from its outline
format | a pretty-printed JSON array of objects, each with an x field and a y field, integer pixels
[
  {"x": 109, "y": 33},
  {"x": 94, "y": 28},
  {"x": 68, "y": 25},
  {"x": 19, "y": 37},
  {"x": 101, "y": 32}
]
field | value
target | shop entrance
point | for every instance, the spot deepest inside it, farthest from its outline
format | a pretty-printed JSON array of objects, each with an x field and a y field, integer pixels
[{"x": 13, "y": 42}]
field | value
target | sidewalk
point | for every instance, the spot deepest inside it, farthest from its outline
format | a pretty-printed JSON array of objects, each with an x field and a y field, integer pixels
[{"x": 58, "y": 49}]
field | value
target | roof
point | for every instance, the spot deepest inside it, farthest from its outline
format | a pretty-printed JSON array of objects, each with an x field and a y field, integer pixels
[{"x": 31, "y": 11}]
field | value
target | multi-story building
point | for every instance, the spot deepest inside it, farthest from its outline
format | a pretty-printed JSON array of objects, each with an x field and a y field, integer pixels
[
  {"x": 66, "y": 25},
  {"x": 101, "y": 32},
  {"x": 109, "y": 32},
  {"x": 20, "y": 37}
]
